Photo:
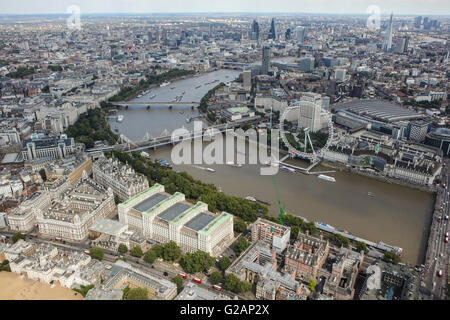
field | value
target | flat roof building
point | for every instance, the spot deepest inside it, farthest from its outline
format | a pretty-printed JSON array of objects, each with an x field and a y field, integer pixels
[{"x": 163, "y": 217}]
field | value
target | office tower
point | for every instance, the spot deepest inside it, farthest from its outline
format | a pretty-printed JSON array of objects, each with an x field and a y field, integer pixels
[
  {"x": 150, "y": 37},
  {"x": 402, "y": 45},
  {"x": 418, "y": 130},
  {"x": 273, "y": 30},
  {"x": 164, "y": 35},
  {"x": 265, "y": 60},
  {"x": 387, "y": 44},
  {"x": 306, "y": 64},
  {"x": 310, "y": 110},
  {"x": 418, "y": 22},
  {"x": 288, "y": 34},
  {"x": 340, "y": 74},
  {"x": 247, "y": 79},
  {"x": 157, "y": 37},
  {"x": 254, "y": 35},
  {"x": 426, "y": 23},
  {"x": 300, "y": 34}
]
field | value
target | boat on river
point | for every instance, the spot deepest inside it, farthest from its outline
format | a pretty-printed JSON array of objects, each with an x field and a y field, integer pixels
[{"x": 327, "y": 178}]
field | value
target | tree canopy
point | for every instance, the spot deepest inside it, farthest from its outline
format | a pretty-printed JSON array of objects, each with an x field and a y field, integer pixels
[
  {"x": 239, "y": 225},
  {"x": 232, "y": 283},
  {"x": 216, "y": 277},
  {"x": 240, "y": 245},
  {"x": 122, "y": 248},
  {"x": 17, "y": 236},
  {"x": 196, "y": 262},
  {"x": 96, "y": 253},
  {"x": 171, "y": 251},
  {"x": 224, "y": 263},
  {"x": 137, "y": 252}
]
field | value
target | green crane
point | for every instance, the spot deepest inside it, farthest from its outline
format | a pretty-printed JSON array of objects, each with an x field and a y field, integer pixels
[{"x": 282, "y": 211}]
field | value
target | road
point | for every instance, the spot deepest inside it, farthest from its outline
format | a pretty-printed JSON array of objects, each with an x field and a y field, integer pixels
[{"x": 438, "y": 251}]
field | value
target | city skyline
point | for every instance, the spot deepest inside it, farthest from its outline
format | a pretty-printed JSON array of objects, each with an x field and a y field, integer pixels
[{"x": 399, "y": 7}]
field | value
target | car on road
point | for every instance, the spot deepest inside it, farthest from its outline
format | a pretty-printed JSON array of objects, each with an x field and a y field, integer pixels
[{"x": 440, "y": 273}]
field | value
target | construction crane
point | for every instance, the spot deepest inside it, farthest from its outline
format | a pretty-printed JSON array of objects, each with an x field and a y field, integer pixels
[{"x": 282, "y": 211}]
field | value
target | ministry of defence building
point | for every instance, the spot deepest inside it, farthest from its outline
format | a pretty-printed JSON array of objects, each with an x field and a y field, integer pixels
[{"x": 163, "y": 217}]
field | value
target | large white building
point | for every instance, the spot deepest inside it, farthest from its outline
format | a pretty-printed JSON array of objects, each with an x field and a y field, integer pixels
[
  {"x": 163, "y": 217},
  {"x": 45, "y": 263},
  {"x": 74, "y": 212},
  {"x": 47, "y": 147},
  {"x": 121, "y": 178},
  {"x": 23, "y": 217},
  {"x": 310, "y": 111}
]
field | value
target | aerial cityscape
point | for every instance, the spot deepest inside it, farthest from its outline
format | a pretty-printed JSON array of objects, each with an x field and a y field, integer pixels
[{"x": 160, "y": 153}]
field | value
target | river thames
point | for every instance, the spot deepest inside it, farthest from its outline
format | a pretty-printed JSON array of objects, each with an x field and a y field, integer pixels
[{"x": 394, "y": 214}]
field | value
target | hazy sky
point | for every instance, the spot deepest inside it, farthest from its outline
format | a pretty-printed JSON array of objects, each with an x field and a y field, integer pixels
[{"x": 423, "y": 7}]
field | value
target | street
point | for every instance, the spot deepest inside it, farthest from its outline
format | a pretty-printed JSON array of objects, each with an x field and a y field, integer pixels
[{"x": 438, "y": 250}]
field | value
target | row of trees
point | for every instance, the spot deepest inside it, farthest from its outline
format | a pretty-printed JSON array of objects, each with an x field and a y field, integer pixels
[
  {"x": 199, "y": 261},
  {"x": 207, "y": 97},
  {"x": 391, "y": 257},
  {"x": 169, "y": 252}
]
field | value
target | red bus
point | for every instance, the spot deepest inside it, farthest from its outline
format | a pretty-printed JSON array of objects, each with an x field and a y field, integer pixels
[
  {"x": 217, "y": 288},
  {"x": 182, "y": 275},
  {"x": 197, "y": 280},
  {"x": 58, "y": 239}
]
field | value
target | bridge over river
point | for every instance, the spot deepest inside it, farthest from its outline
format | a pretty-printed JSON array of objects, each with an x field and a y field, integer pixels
[{"x": 156, "y": 103}]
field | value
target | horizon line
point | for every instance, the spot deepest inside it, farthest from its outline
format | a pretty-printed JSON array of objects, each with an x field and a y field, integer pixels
[{"x": 219, "y": 12}]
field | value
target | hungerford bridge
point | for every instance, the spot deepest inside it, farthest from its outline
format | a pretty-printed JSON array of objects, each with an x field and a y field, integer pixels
[
  {"x": 127, "y": 145},
  {"x": 156, "y": 104}
]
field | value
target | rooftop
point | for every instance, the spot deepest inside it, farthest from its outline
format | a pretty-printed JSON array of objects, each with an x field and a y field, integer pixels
[
  {"x": 108, "y": 226},
  {"x": 150, "y": 202},
  {"x": 174, "y": 211},
  {"x": 200, "y": 221}
]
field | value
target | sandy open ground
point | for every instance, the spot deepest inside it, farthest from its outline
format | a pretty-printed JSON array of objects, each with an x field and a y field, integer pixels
[{"x": 12, "y": 287}]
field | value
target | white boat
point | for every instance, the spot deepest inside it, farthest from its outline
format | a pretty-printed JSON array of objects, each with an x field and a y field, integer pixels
[
  {"x": 232, "y": 164},
  {"x": 120, "y": 118},
  {"x": 327, "y": 178},
  {"x": 145, "y": 155},
  {"x": 210, "y": 170},
  {"x": 250, "y": 199},
  {"x": 152, "y": 96},
  {"x": 164, "y": 84}
]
